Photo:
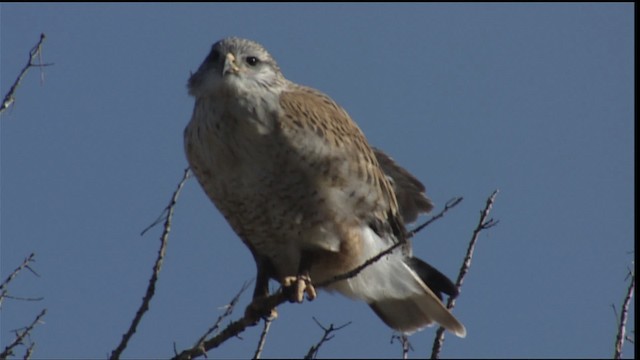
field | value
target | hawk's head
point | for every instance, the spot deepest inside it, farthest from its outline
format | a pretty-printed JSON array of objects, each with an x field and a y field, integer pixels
[{"x": 236, "y": 65}]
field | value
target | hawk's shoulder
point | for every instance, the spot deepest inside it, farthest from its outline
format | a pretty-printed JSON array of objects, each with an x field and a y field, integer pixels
[{"x": 313, "y": 114}]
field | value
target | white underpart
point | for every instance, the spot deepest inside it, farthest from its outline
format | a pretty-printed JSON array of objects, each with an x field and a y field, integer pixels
[{"x": 387, "y": 278}]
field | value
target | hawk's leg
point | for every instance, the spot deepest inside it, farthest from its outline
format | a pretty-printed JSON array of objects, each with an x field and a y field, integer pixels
[
  {"x": 258, "y": 308},
  {"x": 296, "y": 286}
]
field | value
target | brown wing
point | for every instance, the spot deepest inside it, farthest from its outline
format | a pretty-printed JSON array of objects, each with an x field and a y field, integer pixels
[
  {"x": 409, "y": 191},
  {"x": 305, "y": 110}
]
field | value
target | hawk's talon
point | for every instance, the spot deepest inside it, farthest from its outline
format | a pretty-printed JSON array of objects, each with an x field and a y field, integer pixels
[
  {"x": 295, "y": 287},
  {"x": 311, "y": 292}
]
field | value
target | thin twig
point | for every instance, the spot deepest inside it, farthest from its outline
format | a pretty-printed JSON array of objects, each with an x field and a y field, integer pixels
[
  {"x": 629, "y": 339},
  {"x": 25, "y": 265},
  {"x": 263, "y": 338},
  {"x": 228, "y": 311},
  {"x": 483, "y": 224},
  {"x": 21, "y": 335},
  {"x": 352, "y": 273},
  {"x": 232, "y": 330},
  {"x": 21, "y": 298},
  {"x": 405, "y": 343},
  {"x": 14, "y": 273},
  {"x": 313, "y": 350},
  {"x": 165, "y": 212},
  {"x": 29, "y": 352},
  {"x": 620, "y": 337},
  {"x": 448, "y": 206},
  {"x": 164, "y": 239},
  {"x": 35, "y": 52}
]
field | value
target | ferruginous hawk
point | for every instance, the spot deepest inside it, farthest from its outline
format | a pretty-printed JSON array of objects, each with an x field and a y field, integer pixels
[{"x": 298, "y": 182}]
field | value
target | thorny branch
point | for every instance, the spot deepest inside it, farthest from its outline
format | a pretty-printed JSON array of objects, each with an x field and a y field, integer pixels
[
  {"x": 313, "y": 350},
  {"x": 20, "y": 337},
  {"x": 448, "y": 206},
  {"x": 24, "y": 333},
  {"x": 9, "y": 98},
  {"x": 406, "y": 345},
  {"x": 36, "y": 52},
  {"x": 168, "y": 211},
  {"x": 228, "y": 311},
  {"x": 29, "y": 352},
  {"x": 349, "y": 274},
  {"x": 483, "y": 224},
  {"x": 156, "y": 269},
  {"x": 274, "y": 300},
  {"x": 232, "y": 330},
  {"x": 25, "y": 265},
  {"x": 620, "y": 337}
]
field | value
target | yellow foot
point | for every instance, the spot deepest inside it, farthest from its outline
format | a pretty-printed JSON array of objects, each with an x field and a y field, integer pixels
[
  {"x": 297, "y": 286},
  {"x": 258, "y": 309}
]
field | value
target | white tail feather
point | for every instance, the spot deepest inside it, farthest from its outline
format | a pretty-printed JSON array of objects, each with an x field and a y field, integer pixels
[{"x": 395, "y": 292}]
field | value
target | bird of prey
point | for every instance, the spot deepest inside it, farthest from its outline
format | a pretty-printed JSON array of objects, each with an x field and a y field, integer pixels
[{"x": 298, "y": 182}]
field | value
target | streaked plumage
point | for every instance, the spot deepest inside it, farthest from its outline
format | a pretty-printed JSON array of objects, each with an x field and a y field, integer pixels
[{"x": 300, "y": 185}]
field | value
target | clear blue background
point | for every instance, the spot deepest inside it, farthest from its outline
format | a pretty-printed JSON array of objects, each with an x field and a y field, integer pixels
[{"x": 536, "y": 100}]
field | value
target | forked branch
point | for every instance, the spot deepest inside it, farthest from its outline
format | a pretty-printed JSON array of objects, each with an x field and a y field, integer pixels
[
  {"x": 35, "y": 53},
  {"x": 484, "y": 223},
  {"x": 167, "y": 215},
  {"x": 21, "y": 335}
]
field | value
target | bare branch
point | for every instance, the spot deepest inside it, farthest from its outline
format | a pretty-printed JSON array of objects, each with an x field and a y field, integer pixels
[
  {"x": 21, "y": 298},
  {"x": 230, "y": 331},
  {"x": 167, "y": 211},
  {"x": 483, "y": 224},
  {"x": 21, "y": 335},
  {"x": 29, "y": 352},
  {"x": 349, "y": 274},
  {"x": 404, "y": 342},
  {"x": 36, "y": 52},
  {"x": 233, "y": 329},
  {"x": 448, "y": 206},
  {"x": 328, "y": 335},
  {"x": 354, "y": 272},
  {"x": 620, "y": 337},
  {"x": 14, "y": 273},
  {"x": 228, "y": 311},
  {"x": 25, "y": 265},
  {"x": 164, "y": 239},
  {"x": 263, "y": 338}
]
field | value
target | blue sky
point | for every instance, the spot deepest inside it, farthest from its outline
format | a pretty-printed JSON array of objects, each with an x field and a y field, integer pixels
[{"x": 536, "y": 100}]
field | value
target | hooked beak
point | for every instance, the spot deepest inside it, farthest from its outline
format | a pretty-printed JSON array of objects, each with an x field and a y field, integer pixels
[{"x": 230, "y": 65}]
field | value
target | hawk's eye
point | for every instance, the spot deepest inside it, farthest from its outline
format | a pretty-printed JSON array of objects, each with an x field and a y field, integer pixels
[{"x": 252, "y": 60}]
